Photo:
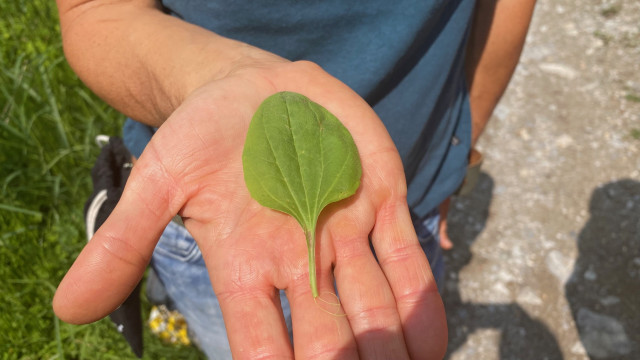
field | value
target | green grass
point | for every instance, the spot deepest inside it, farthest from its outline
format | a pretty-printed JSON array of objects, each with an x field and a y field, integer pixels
[
  {"x": 611, "y": 10},
  {"x": 48, "y": 121},
  {"x": 606, "y": 38}
]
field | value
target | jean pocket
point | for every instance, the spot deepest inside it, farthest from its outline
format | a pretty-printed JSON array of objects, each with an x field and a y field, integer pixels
[{"x": 177, "y": 243}]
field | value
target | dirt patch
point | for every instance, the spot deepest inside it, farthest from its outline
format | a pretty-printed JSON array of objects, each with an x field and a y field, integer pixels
[{"x": 546, "y": 261}]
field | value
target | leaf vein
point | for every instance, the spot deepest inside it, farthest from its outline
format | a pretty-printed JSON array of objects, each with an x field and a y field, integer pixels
[
  {"x": 302, "y": 179},
  {"x": 335, "y": 180},
  {"x": 266, "y": 190},
  {"x": 281, "y": 172},
  {"x": 316, "y": 205}
]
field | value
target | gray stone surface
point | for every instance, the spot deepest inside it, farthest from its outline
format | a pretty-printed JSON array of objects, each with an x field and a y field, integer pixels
[
  {"x": 546, "y": 263},
  {"x": 602, "y": 336}
]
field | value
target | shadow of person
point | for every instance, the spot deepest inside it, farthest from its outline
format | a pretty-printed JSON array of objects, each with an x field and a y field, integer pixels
[
  {"x": 604, "y": 288},
  {"x": 521, "y": 336}
]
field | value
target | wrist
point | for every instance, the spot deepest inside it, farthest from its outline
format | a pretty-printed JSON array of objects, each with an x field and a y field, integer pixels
[{"x": 238, "y": 58}]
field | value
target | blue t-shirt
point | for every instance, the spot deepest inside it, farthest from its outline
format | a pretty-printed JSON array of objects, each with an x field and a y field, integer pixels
[{"x": 405, "y": 57}]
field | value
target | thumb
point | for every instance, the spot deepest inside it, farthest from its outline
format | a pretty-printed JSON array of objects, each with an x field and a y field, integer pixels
[{"x": 113, "y": 262}]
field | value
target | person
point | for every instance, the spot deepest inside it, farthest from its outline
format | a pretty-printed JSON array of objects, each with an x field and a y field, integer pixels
[{"x": 393, "y": 73}]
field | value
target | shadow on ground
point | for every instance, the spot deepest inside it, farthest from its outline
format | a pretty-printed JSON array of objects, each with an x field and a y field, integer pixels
[
  {"x": 521, "y": 337},
  {"x": 604, "y": 288}
]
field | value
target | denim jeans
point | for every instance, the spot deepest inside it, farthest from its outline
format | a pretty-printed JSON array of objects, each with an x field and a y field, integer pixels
[{"x": 178, "y": 263}]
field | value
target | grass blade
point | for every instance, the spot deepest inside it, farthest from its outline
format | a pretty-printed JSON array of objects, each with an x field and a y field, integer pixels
[{"x": 15, "y": 209}]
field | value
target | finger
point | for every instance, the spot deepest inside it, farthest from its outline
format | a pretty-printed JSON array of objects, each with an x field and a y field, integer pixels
[
  {"x": 364, "y": 292},
  {"x": 443, "y": 209},
  {"x": 112, "y": 263},
  {"x": 321, "y": 329},
  {"x": 406, "y": 268},
  {"x": 252, "y": 313},
  {"x": 255, "y": 325},
  {"x": 445, "y": 241}
]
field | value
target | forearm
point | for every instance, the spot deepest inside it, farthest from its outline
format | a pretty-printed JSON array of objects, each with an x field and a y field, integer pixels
[
  {"x": 497, "y": 38},
  {"x": 140, "y": 60}
]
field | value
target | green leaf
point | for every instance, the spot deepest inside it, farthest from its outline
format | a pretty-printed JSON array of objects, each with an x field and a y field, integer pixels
[{"x": 298, "y": 158}]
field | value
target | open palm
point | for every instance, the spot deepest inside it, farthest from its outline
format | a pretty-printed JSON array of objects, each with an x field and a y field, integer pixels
[{"x": 193, "y": 167}]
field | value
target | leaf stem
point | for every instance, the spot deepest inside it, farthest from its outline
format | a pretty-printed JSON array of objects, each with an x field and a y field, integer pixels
[{"x": 310, "y": 235}]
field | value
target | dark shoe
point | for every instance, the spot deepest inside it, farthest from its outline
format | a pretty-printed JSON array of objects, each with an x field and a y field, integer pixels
[{"x": 109, "y": 174}]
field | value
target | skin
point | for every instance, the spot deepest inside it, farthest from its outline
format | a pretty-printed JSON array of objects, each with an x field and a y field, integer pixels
[
  {"x": 203, "y": 91},
  {"x": 497, "y": 38}
]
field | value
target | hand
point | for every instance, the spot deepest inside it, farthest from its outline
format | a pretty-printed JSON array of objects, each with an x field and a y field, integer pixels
[
  {"x": 445, "y": 241},
  {"x": 193, "y": 167}
]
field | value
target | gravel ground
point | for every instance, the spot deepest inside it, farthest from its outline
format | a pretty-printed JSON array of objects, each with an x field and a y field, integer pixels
[{"x": 546, "y": 263}]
